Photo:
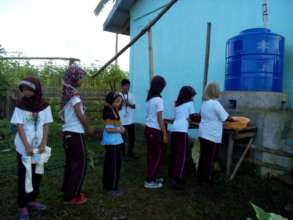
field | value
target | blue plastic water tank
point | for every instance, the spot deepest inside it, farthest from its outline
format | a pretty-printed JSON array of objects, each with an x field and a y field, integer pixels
[{"x": 254, "y": 61}]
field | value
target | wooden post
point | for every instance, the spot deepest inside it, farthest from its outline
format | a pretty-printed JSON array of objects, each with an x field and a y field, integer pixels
[
  {"x": 138, "y": 36},
  {"x": 116, "y": 49},
  {"x": 151, "y": 55},
  {"x": 207, "y": 56},
  {"x": 229, "y": 155}
]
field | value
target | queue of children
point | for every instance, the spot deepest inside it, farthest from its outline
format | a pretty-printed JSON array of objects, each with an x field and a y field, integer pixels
[{"x": 32, "y": 116}]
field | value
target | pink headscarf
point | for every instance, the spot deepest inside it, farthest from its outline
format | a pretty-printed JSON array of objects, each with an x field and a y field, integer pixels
[{"x": 72, "y": 75}]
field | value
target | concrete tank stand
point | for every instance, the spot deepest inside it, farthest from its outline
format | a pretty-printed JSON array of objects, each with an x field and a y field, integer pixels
[{"x": 269, "y": 112}]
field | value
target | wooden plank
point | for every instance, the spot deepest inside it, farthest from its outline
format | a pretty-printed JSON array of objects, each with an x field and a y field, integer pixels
[
  {"x": 150, "y": 53},
  {"x": 229, "y": 155},
  {"x": 275, "y": 152},
  {"x": 269, "y": 165},
  {"x": 241, "y": 159},
  {"x": 207, "y": 56},
  {"x": 244, "y": 135},
  {"x": 40, "y": 58},
  {"x": 138, "y": 36}
]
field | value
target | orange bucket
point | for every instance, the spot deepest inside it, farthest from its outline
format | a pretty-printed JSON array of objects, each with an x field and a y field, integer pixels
[{"x": 239, "y": 123}]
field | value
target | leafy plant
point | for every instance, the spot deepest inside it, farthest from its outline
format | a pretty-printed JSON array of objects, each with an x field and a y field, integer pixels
[
  {"x": 113, "y": 76},
  {"x": 263, "y": 215}
]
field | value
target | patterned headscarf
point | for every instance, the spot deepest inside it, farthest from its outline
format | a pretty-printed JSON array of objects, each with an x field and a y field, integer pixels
[{"x": 71, "y": 77}]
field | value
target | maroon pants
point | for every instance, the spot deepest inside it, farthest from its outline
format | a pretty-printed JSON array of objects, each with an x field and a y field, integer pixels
[
  {"x": 75, "y": 164},
  {"x": 179, "y": 145},
  {"x": 208, "y": 154},
  {"x": 155, "y": 150},
  {"x": 24, "y": 198}
]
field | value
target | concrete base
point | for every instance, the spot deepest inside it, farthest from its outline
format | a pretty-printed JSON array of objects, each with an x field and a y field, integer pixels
[
  {"x": 254, "y": 100},
  {"x": 273, "y": 121}
]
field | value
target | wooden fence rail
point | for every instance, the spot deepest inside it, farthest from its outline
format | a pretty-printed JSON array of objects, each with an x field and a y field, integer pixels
[{"x": 53, "y": 95}]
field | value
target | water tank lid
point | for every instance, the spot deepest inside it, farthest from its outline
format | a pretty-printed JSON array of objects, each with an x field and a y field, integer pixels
[{"x": 255, "y": 31}]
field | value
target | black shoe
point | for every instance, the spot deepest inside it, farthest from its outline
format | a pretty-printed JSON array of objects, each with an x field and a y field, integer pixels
[{"x": 177, "y": 185}]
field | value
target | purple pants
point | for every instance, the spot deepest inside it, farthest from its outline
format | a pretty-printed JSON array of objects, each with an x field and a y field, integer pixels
[
  {"x": 155, "y": 151},
  {"x": 208, "y": 154},
  {"x": 75, "y": 164},
  {"x": 179, "y": 145}
]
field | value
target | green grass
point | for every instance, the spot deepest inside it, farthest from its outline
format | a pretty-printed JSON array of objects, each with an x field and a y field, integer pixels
[{"x": 229, "y": 201}]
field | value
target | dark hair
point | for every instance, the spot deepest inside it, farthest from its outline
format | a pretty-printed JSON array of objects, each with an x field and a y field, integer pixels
[
  {"x": 158, "y": 83},
  {"x": 111, "y": 97},
  {"x": 108, "y": 110},
  {"x": 125, "y": 82},
  {"x": 185, "y": 95}
]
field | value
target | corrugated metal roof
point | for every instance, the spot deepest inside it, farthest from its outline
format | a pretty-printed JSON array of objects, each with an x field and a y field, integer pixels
[{"x": 118, "y": 20}]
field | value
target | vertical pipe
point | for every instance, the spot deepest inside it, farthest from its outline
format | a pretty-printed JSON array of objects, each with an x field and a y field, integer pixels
[
  {"x": 207, "y": 56},
  {"x": 265, "y": 13},
  {"x": 151, "y": 55}
]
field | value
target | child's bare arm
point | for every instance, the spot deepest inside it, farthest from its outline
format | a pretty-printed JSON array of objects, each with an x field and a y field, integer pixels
[
  {"x": 44, "y": 139},
  {"x": 21, "y": 132},
  {"x": 119, "y": 129},
  {"x": 162, "y": 126},
  {"x": 83, "y": 120}
]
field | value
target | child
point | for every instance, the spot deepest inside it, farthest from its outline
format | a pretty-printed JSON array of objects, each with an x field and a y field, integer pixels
[
  {"x": 127, "y": 118},
  {"x": 213, "y": 115},
  {"x": 31, "y": 116},
  {"x": 74, "y": 126},
  {"x": 112, "y": 140},
  {"x": 184, "y": 111},
  {"x": 155, "y": 132}
]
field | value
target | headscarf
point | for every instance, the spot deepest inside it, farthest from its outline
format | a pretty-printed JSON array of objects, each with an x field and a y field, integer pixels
[
  {"x": 36, "y": 103},
  {"x": 109, "y": 113},
  {"x": 158, "y": 83},
  {"x": 186, "y": 94},
  {"x": 71, "y": 77}
]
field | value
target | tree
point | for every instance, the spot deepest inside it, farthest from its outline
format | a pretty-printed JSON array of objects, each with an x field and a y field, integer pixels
[
  {"x": 113, "y": 76},
  {"x": 101, "y": 6},
  {"x": 2, "y": 51}
]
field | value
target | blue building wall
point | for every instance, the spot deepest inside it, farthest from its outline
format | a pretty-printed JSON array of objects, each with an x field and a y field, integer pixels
[{"x": 179, "y": 43}]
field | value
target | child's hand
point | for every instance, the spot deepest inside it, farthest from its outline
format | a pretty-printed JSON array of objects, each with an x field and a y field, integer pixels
[
  {"x": 29, "y": 150},
  {"x": 90, "y": 131},
  {"x": 121, "y": 129},
  {"x": 165, "y": 138},
  {"x": 42, "y": 148}
]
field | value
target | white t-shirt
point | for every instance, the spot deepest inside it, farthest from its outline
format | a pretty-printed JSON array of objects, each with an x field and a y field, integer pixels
[
  {"x": 71, "y": 121},
  {"x": 154, "y": 106},
  {"x": 32, "y": 130},
  {"x": 212, "y": 117},
  {"x": 182, "y": 113},
  {"x": 126, "y": 113}
]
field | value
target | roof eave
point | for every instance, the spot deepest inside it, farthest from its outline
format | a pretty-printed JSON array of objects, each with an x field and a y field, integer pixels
[{"x": 118, "y": 21}]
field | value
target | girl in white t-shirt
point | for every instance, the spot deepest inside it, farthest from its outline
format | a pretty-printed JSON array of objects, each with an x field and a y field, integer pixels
[
  {"x": 213, "y": 115},
  {"x": 184, "y": 111},
  {"x": 75, "y": 125},
  {"x": 31, "y": 116},
  {"x": 155, "y": 132}
]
